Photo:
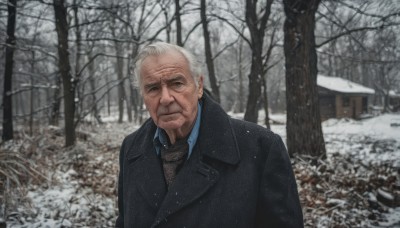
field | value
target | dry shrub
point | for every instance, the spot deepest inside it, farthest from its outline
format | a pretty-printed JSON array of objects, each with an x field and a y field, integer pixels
[
  {"x": 13, "y": 167},
  {"x": 15, "y": 172}
]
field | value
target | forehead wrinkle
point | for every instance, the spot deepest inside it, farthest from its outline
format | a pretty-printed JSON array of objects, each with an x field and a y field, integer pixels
[
  {"x": 172, "y": 78},
  {"x": 163, "y": 72},
  {"x": 166, "y": 79}
]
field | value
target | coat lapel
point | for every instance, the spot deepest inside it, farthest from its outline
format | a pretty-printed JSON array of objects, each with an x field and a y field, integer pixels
[
  {"x": 143, "y": 163},
  {"x": 191, "y": 183}
]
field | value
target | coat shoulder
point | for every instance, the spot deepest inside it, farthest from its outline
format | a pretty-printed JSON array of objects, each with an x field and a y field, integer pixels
[
  {"x": 255, "y": 131},
  {"x": 139, "y": 136},
  {"x": 148, "y": 124}
]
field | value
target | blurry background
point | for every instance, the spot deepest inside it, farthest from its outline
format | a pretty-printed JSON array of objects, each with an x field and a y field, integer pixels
[{"x": 322, "y": 74}]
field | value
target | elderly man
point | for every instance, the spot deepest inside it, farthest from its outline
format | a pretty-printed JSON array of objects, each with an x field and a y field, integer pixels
[{"x": 191, "y": 165}]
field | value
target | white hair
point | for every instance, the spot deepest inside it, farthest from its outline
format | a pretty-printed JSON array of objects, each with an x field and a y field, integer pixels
[{"x": 160, "y": 48}]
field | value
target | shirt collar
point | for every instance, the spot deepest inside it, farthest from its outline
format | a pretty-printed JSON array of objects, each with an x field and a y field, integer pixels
[{"x": 160, "y": 138}]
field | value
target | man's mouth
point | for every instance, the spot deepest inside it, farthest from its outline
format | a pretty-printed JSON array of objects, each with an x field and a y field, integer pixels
[{"x": 168, "y": 114}]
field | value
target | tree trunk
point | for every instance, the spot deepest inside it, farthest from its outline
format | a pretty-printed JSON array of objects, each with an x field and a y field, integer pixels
[
  {"x": 79, "y": 105},
  {"x": 32, "y": 95},
  {"x": 265, "y": 98},
  {"x": 92, "y": 83},
  {"x": 19, "y": 107},
  {"x": 167, "y": 24},
  {"x": 56, "y": 103},
  {"x": 8, "y": 72},
  {"x": 255, "y": 82},
  {"x": 257, "y": 28},
  {"x": 119, "y": 67},
  {"x": 128, "y": 98},
  {"x": 384, "y": 87},
  {"x": 65, "y": 70},
  {"x": 178, "y": 24},
  {"x": 121, "y": 87},
  {"x": 304, "y": 133},
  {"x": 134, "y": 93},
  {"x": 208, "y": 52},
  {"x": 108, "y": 101},
  {"x": 240, "y": 73}
]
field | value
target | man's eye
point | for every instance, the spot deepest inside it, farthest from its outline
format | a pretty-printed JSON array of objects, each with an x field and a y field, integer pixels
[
  {"x": 152, "y": 89},
  {"x": 178, "y": 84}
]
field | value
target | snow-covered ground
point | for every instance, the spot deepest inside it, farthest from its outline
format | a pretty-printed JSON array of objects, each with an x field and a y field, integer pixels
[
  {"x": 79, "y": 188},
  {"x": 372, "y": 140}
]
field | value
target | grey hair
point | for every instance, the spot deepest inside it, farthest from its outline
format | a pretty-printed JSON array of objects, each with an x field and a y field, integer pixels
[{"x": 160, "y": 48}]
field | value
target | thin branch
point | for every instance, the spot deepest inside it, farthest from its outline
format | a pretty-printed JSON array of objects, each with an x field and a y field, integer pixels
[
  {"x": 108, "y": 39},
  {"x": 35, "y": 17},
  {"x": 151, "y": 22},
  {"x": 87, "y": 23},
  {"x": 81, "y": 116},
  {"x": 352, "y": 31},
  {"x": 374, "y": 61},
  {"x": 37, "y": 75},
  {"x": 32, "y": 48},
  {"x": 265, "y": 16},
  {"x": 97, "y": 55},
  {"x": 228, "y": 79},
  {"x": 382, "y": 17},
  {"x": 191, "y": 31},
  {"x": 232, "y": 26},
  {"x": 226, "y": 47}
]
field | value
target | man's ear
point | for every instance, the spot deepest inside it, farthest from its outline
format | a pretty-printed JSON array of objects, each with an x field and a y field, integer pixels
[{"x": 200, "y": 86}]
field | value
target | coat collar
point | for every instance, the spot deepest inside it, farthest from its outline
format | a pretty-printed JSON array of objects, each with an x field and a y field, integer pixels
[{"x": 215, "y": 126}]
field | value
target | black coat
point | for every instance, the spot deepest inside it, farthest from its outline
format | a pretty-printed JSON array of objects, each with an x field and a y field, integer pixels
[{"x": 239, "y": 175}]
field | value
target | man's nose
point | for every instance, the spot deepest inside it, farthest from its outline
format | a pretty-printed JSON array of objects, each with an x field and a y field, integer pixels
[{"x": 166, "y": 97}]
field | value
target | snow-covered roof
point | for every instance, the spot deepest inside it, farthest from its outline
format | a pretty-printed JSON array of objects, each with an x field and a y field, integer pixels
[
  {"x": 393, "y": 94},
  {"x": 342, "y": 85}
]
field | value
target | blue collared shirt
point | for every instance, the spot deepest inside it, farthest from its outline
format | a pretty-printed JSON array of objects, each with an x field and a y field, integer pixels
[{"x": 160, "y": 137}]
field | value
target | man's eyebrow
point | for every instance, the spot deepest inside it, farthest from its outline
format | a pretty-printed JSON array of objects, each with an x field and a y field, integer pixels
[
  {"x": 149, "y": 85},
  {"x": 175, "y": 78}
]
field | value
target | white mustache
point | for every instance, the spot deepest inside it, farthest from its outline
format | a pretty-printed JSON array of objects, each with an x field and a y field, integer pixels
[{"x": 173, "y": 108}]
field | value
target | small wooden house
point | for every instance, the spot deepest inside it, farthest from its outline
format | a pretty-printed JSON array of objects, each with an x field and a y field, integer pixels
[{"x": 340, "y": 98}]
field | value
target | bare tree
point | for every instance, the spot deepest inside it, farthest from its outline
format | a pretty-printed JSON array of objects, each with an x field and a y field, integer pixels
[
  {"x": 240, "y": 96},
  {"x": 8, "y": 72},
  {"x": 120, "y": 73},
  {"x": 304, "y": 132},
  {"x": 267, "y": 65},
  {"x": 92, "y": 84},
  {"x": 164, "y": 4},
  {"x": 69, "y": 82},
  {"x": 208, "y": 53},
  {"x": 257, "y": 28},
  {"x": 78, "y": 60},
  {"x": 386, "y": 76},
  {"x": 178, "y": 23}
]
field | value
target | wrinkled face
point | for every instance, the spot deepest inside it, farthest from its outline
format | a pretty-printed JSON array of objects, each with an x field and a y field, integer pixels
[{"x": 169, "y": 91}]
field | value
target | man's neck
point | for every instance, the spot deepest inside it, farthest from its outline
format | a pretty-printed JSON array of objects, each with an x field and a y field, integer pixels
[{"x": 175, "y": 135}]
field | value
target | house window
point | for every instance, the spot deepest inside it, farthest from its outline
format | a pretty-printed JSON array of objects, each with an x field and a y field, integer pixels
[{"x": 346, "y": 101}]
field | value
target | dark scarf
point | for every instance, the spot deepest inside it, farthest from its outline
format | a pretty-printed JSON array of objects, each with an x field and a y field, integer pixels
[{"x": 173, "y": 159}]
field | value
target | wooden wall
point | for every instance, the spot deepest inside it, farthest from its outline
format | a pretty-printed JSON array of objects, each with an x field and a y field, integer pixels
[
  {"x": 341, "y": 106},
  {"x": 348, "y": 106}
]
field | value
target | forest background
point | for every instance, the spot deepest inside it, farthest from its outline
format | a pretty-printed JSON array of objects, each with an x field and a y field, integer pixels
[{"x": 69, "y": 63}]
